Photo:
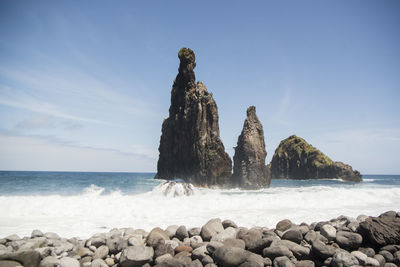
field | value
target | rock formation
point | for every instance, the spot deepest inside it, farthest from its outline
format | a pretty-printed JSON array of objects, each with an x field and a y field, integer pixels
[
  {"x": 249, "y": 170},
  {"x": 190, "y": 146},
  {"x": 296, "y": 159}
]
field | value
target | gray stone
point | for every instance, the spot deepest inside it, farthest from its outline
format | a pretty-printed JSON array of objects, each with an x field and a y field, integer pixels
[
  {"x": 162, "y": 249},
  {"x": 183, "y": 258},
  {"x": 233, "y": 242},
  {"x": 361, "y": 257},
  {"x": 283, "y": 261},
  {"x": 277, "y": 251},
  {"x": 163, "y": 258},
  {"x": 293, "y": 235},
  {"x": 44, "y": 252},
  {"x": 227, "y": 233},
  {"x": 353, "y": 226},
  {"x": 283, "y": 225},
  {"x": 51, "y": 235},
  {"x": 97, "y": 241},
  {"x": 12, "y": 238},
  {"x": 250, "y": 237},
  {"x": 230, "y": 256},
  {"x": 172, "y": 243},
  {"x": 380, "y": 259},
  {"x": 49, "y": 261},
  {"x": 9, "y": 263},
  {"x": 391, "y": 248},
  {"x": 109, "y": 261},
  {"x": 396, "y": 259},
  {"x": 305, "y": 263},
  {"x": 36, "y": 233},
  {"x": 136, "y": 256},
  {"x": 195, "y": 240},
  {"x": 312, "y": 235},
  {"x": 228, "y": 223},
  {"x": 372, "y": 262},
  {"x": 181, "y": 233},
  {"x": 207, "y": 260},
  {"x": 348, "y": 240},
  {"x": 343, "y": 259},
  {"x": 194, "y": 231},
  {"x": 98, "y": 263},
  {"x": 69, "y": 262},
  {"x": 387, "y": 255},
  {"x": 101, "y": 252},
  {"x": 328, "y": 231},
  {"x": 116, "y": 244},
  {"x": 361, "y": 218},
  {"x": 28, "y": 258},
  {"x": 389, "y": 264},
  {"x": 300, "y": 252},
  {"x": 199, "y": 253},
  {"x": 156, "y": 236},
  {"x": 211, "y": 228},
  {"x": 321, "y": 250},
  {"x": 135, "y": 241},
  {"x": 367, "y": 251}
]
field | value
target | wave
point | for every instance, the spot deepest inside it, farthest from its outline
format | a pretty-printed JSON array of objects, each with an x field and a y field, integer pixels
[{"x": 94, "y": 211}]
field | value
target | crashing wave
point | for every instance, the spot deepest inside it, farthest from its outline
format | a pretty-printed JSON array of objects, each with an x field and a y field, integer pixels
[{"x": 175, "y": 189}]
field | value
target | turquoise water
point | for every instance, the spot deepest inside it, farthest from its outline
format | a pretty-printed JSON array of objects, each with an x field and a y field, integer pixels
[{"x": 72, "y": 183}]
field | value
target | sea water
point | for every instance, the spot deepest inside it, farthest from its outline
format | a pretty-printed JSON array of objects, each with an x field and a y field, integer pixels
[{"x": 81, "y": 204}]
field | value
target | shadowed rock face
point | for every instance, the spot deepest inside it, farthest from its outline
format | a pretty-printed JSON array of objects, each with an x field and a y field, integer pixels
[
  {"x": 190, "y": 146},
  {"x": 249, "y": 170},
  {"x": 296, "y": 159}
]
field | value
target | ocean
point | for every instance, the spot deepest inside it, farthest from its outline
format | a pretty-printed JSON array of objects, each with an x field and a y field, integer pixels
[{"x": 79, "y": 204}]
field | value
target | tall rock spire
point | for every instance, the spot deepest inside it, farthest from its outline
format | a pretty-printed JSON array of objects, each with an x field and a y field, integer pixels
[
  {"x": 249, "y": 170},
  {"x": 190, "y": 146}
]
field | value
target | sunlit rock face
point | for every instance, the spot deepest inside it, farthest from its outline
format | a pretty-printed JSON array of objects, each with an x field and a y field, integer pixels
[{"x": 296, "y": 159}]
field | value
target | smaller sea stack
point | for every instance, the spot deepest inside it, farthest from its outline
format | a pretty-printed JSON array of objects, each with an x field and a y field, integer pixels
[
  {"x": 296, "y": 159},
  {"x": 249, "y": 170}
]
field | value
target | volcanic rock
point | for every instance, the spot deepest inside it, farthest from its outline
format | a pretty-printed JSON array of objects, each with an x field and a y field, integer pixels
[
  {"x": 381, "y": 231},
  {"x": 296, "y": 159},
  {"x": 249, "y": 170},
  {"x": 190, "y": 145}
]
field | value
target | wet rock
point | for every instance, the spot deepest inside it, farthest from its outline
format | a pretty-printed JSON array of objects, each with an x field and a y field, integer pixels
[
  {"x": 211, "y": 228},
  {"x": 136, "y": 256},
  {"x": 249, "y": 170},
  {"x": 348, "y": 240},
  {"x": 190, "y": 146},
  {"x": 296, "y": 159}
]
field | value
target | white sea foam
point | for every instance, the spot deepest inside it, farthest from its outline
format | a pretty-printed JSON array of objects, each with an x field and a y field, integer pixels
[{"x": 93, "y": 211}]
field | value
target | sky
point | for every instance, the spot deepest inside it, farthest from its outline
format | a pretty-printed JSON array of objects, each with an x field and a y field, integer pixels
[{"x": 85, "y": 85}]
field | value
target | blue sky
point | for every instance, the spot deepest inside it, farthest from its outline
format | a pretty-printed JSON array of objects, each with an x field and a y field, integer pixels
[{"x": 85, "y": 85}]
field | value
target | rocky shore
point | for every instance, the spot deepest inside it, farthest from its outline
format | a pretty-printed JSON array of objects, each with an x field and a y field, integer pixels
[{"x": 343, "y": 241}]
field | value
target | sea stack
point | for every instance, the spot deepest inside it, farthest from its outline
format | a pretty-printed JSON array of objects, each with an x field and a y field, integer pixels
[
  {"x": 190, "y": 145},
  {"x": 296, "y": 159},
  {"x": 249, "y": 170}
]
